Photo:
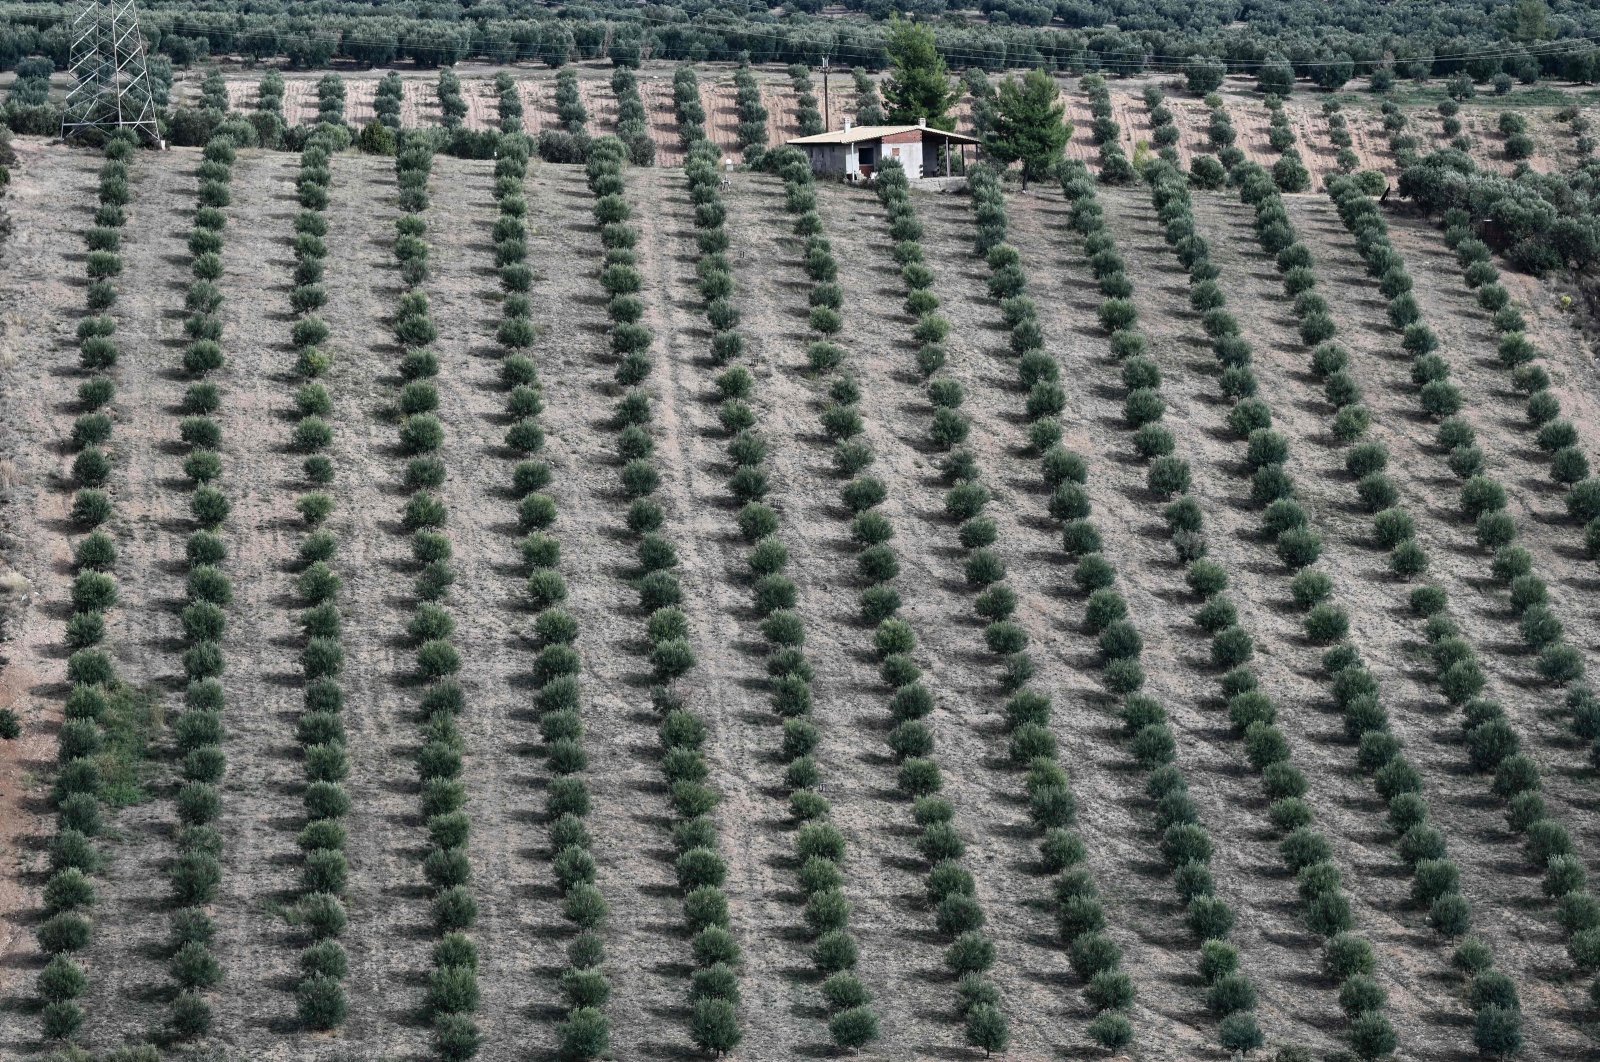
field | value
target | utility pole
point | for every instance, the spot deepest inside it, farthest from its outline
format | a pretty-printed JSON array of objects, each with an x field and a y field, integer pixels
[
  {"x": 827, "y": 112},
  {"x": 112, "y": 89}
]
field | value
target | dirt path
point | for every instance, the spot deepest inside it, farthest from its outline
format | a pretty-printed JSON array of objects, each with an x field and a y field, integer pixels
[
  {"x": 260, "y": 799},
  {"x": 720, "y": 99},
  {"x": 1506, "y": 905},
  {"x": 518, "y": 909},
  {"x": 538, "y": 106},
  {"x": 359, "y": 96},
  {"x": 125, "y": 989},
  {"x": 386, "y": 897},
  {"x": 419, "y": 103},
  {"x": 662, "y": 118}
]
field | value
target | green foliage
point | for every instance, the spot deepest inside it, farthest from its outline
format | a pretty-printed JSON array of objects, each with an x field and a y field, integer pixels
[{"x": 1026, "y": 125}]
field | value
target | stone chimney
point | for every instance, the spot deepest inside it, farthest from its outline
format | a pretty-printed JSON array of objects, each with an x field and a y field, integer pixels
[
  {"x": 847, "y": 124},
  {"x": 922, "y": 123}
]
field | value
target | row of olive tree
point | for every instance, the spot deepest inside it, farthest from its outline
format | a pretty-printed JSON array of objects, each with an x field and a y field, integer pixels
[
  {"x": 1492, "y": 742},
  {"x": 1304, "y": 849},
  {"x": 1186, "y": 844},
  {"x": 570, "y": 142},
  {"x": 819, "y": 844},
  {"x": 584, "y": 1031},
  {"x": 451, "y": 998},
  {"x": 1030, "y": 740},
  {"x": 1435, "y": 877},
  {"x": 320, "y": 997},
  {"x": 951, "y": 886},
  {"x": 79, "y": 791},
  {"x": 701, "y": 871},
  {"x": 196, "y": 872}
]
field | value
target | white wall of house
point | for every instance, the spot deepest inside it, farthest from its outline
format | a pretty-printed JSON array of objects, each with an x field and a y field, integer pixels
[
  {"x": 834, "y": 160},
  {"x": 909, "y": 157}
]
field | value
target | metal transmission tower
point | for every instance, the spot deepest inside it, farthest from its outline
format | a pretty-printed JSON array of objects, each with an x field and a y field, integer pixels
[{"x": 112, "y": 89}]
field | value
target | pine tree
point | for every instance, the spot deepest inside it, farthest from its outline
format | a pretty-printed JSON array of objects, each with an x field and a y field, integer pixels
[
  {"x": 1026, "y": 125},
  {"x": 918, "y": 88}
]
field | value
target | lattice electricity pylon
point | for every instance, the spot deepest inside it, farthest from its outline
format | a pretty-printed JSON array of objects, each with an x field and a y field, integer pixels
[{"x": 112, "y": 89}]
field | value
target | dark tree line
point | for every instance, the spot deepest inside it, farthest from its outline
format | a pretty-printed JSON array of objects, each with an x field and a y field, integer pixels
[{"x": 1327, "y": 42}]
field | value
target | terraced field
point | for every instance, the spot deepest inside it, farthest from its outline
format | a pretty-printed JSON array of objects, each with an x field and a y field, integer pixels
[{"x": 580, "y": 612}]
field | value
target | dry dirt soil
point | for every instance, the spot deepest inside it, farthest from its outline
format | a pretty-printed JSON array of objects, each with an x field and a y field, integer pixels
[{"x": 521, "y": 931}]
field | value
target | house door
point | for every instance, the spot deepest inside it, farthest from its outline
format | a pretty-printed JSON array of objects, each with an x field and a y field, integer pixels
[{"x": 866, "y": 159}]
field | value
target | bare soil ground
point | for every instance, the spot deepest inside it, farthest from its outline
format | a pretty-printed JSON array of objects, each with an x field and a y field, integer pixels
[
  {"x": 520, "y": 932},
  {"x": 601, "y": 104},
  {"x": 358, "y": 99},
  {"x": 419, "y": 103},
  {"x": 539, "y": 105},
  {"x": 660, "y": 113}
]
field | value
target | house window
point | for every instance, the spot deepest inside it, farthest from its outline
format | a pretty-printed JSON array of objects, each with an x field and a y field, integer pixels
[
  {"x": 894, "y": 152},
  {"x": 866, "y": 155}
]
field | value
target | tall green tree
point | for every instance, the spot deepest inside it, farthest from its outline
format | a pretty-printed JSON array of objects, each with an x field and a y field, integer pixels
[
  {"x": 981, "y": 92},
  {"x": 1531, "y": 20},
  {"x": 918, "y": 86},
  {"x": 1025, "y": 125},
  {"x": 1275, "y": 77},
  {"x": 1204, "y": 74}
]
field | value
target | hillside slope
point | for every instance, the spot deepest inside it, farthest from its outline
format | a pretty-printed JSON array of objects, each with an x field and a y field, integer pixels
[{"x": 519, "y": 932}]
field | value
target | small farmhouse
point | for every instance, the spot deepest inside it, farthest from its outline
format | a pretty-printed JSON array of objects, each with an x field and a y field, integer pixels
[{"x": 855, "y": 152}]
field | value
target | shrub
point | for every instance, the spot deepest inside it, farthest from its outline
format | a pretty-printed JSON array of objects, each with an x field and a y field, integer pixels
[
  {"x": 62, "y": 979},
  {"x": 971, "y": 952},
  {"x": 1111, "y": 1030},
  {"x": 1231, "y": 647},
  {"x": 986, "y": 1028},
  {"x": 1240, "y": 1032},
  {"x": 1497, "y": 1030},
  {"x": 1326, "y": 624},
  {"x": 1210, "y": 917},
  {"x": 834, "y": 951},
  {"x": 1299, "y": 547},
  {"x": 1168, "y": 476},
  {"x": 1347, "y": 955},
  {"x": 585, "y": 1034},
  {"x": 1372, "y": 1036},
  {"x": 320, "y": 1001}
]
